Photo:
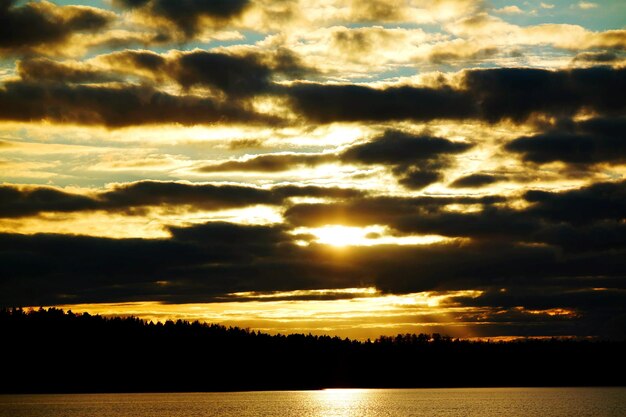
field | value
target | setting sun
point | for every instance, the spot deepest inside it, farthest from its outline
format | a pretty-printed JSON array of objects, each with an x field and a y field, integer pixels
[{"x": 341, "y": 235}]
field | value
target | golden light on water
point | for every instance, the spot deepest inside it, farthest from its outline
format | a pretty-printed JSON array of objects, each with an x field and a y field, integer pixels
[{"x": 342, "y": 400}]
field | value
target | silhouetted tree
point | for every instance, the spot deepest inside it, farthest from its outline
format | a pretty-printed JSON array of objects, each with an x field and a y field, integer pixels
[{"x": 53, "y": 351}]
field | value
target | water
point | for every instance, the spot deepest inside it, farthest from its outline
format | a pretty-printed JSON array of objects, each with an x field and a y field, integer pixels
[{"x": 483, "y": 402}]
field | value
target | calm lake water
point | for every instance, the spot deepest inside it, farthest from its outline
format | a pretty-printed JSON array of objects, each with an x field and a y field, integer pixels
[{"x": 483, "y": 402}]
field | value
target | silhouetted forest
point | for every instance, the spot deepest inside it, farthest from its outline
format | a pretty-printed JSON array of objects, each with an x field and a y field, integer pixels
[{"x": 53, "y": 351}]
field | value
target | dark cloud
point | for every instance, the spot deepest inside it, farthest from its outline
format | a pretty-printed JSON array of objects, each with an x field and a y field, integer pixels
[
  {"x": 493, "y": 94},
  {"x": 518, "y": 93},
  {"x": 206, "y": 262},
  {"x": 551, "y": 218},
  {"x": 460, "y": 55},
  {"x": 38, "y": 24},
  {"x": 189, "y": 16},
  {"x": 243, "y": 75},
  {"x": 496, "y": 94},
  {"x": 24, "y": 201},
  {"x": 598, "y": 236},
  {"x": 600, "y": 201},
  {"x": 595, "y": 311},
  {"x": 588, "y": 142},
  {"x": 567, "y": 250},
  {"x": 287, "y": 191},
  {"x": 29, "y": 201},
  {"x": 43, "y": 69},
  {"x": 139, "y": 59},
  {"x": 376, "y": 210},
  {"x": 197, "y": 263},
  {"x": 475, "y": 181},
  {"x": 235, "y": 75},
  {"x": 204, "y": 197},
  {"x": 402, "y": 148},
  {"x": 416, "y": 159},
  {"x": 270, "y": 163},
  {"x": 131, "y": 3},
  {"x": 245, "y": 144},
  {"x": 598, "y": 57},
  {"x": 349, "y": 103},
  {"x": 114, "y": 106},
  {"x": 238, "y": 75},
  {"x": 416, "y": 178},
  {"x": 489, "y": 224}
]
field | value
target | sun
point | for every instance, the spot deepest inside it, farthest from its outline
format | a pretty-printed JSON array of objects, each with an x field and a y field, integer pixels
[{"x": 341, "y": 235}]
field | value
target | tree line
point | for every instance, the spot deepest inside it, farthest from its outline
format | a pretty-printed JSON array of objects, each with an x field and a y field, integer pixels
[{"x": 49, "y": 350}]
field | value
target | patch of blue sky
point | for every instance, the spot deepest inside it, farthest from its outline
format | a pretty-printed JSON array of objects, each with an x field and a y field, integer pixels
[
  {"x": 7, "y": 66},
  {"x": 102, "y": 4},
  {"x": 597, "y": 15}
]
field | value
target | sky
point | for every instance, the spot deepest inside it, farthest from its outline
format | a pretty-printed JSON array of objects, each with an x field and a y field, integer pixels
[{"x": 344, "y": 167}]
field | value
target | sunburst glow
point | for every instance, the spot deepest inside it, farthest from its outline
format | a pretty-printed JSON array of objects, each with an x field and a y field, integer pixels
[{"x": 341, "y": 236}]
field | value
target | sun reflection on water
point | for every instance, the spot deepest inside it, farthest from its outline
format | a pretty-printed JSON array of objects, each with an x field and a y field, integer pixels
[{"x": 340, "y": 402}]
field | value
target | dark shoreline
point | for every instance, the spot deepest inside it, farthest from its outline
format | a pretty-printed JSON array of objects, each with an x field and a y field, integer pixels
[{"x": 55, "y": 352}]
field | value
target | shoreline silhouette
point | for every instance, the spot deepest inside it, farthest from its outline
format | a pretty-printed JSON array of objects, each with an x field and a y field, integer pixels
[{"x": 52, "y": 351}]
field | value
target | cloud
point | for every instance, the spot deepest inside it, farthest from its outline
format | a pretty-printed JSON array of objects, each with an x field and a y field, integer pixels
[
  {"x": 460, "y": 50},
  {"x": 197, "y": 263},
  {"x": 385, "y": 210},
  {"x": 349, "y": 51},
  {"x": 348, "y": 103},
  {"x": 475, "y": 181},
  {"x": 187, "y": 16},
  {"x": 401, "y": 148},
  {"x": 596, "y": 204},
  {"x": 27, "y": 201},
  {"x": 518, "y": 93},
  {"x": 588, "y": 142},
  {"x": 415, "y": 158},
  {"x": 416, "y": 178},
  {"x": 270, "y": 163},
  {"x": 235, "y": 75},
  {"x": 244, "y": 74},
  {"x": 295, "y": 15},
  {"x": 596, "y": 57},
  {"x": 18, "y": 202},
  {"x": 490, "y": 31},
  {"x": 205, "y": 263},
  {"x": 492, "y": 94},
  {"x": 43, "y": 69},
  {"x": 603, "y": 235},
  {"x": 544, "y": 256},
  {"x": 43, "y": 27},
  {"x": 114, "y": 106},
  {"x": 586, "y": 5},
  {"x": 509, "y": 10}
]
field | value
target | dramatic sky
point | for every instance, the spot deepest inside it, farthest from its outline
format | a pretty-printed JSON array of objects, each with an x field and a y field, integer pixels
[{"x": 349, "y": 167}]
